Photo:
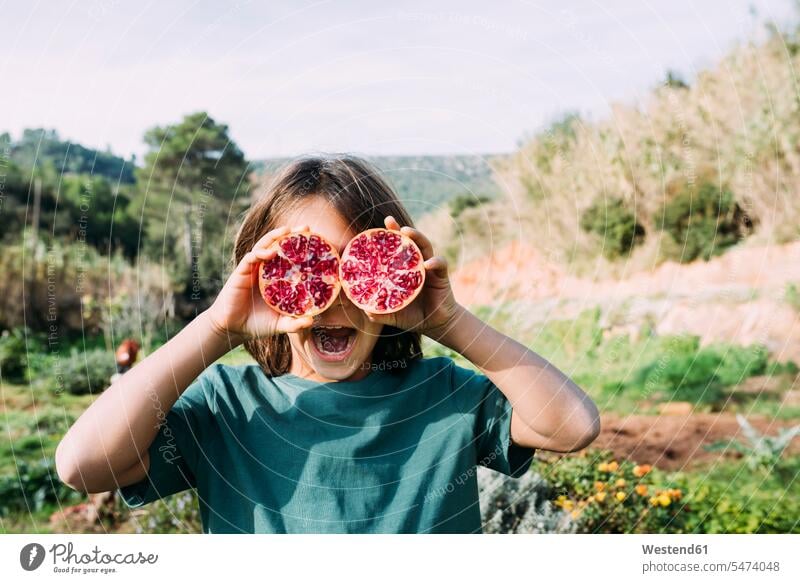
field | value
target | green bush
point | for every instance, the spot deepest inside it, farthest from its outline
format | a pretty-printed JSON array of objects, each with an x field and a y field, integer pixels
[
  {"x": 460, "y": 203},
  {"x": 731, "y": 498},
  {"x": 32, "y": 487},
  {"x": 604, "y": 495},
  {"x": 86, "y": 372},
  {"x": 609, "y": 496},
  {"x": 14, "y": 356},
  {"x": 704, "y": 223},
  {"x": 616, "y": 225},
  {"x": 699, "y": 375},
  {"x": 175, "y": 514}
]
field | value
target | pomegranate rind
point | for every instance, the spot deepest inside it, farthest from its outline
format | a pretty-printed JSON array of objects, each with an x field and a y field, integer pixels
[
  {"x": 382, "y": 271},
  {"x": 302, "y": 279}
]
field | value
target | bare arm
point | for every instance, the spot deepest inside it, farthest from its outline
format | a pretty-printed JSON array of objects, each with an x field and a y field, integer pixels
[
  {"x": 549, "y": 410},
  {"x": 107, "y": 446}
]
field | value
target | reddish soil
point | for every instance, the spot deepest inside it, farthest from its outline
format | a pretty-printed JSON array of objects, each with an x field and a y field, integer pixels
[{"x": 673, "y": 442}]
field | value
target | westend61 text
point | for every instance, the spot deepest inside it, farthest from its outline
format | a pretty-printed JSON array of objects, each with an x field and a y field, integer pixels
[{"x": 675, "y": 550}]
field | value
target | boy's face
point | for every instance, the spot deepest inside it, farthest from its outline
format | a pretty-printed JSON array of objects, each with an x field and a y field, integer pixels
[{"x": 339, "y": 344}]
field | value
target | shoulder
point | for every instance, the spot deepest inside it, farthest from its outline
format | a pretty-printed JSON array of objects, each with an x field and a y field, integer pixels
[{"x": 223, "y": 383}]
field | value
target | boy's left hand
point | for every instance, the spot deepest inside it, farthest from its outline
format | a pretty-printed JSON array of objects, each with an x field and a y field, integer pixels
[{"x": 434, "y": 310}]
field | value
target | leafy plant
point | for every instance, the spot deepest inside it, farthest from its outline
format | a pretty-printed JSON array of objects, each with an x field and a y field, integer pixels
[
  {"x": 14, "y": 355},
  {"x": 759, "y": 450},
  {"x": 615, "y": 224},
  {"x": 519, "y": 505},
  {"x": 610, "y": 496},
  {"x": 32, "y": 487},
  {"x": 179, "y": 513},
  {"x": 86, "y": 372},
  {"x": 704, "y": 223}
]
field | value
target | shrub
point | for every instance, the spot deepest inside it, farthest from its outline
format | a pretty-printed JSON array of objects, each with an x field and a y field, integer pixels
[
  {"x": 604, "y": 495},
  {"x": 612, "y": 221},
  {"x": 699, "y": 375},
  {"x": 462, "y": 202},
  {"x": 32, "y": 487},
  {"x": 13, "y": 356},
  {"x": 519, "y": 505},
  {"x": 87, "y": 372},
  {"x": 732, "y": 498},
  {"x": 704, "y": 223},
  {"x": 176, "y": 514}
]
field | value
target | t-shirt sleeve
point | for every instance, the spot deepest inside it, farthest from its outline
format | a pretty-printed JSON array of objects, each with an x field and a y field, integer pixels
[
  {"x": 490, "y": 411},
  {"x": 175, "y": 451}
]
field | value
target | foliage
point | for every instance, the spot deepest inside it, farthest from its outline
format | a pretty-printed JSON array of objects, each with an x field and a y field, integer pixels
[
  {"x": 461, "y": 202},
  {"x": 760, "y": 451},
  {"x": 616, "y": 226},
  {"x": 605, "y": 495},
  {"x": 194, "y": 176},
  {"x": 519, "y": 505},
  {"x": 792, "y": 296},
  {"x": 610, "y": 496},
  {"x": 39, "y": 146},
  {"x": 32, "y": 487},
  {"x": 731, "y": 498},
  {"x": 14, "y": 355},
  {"x": 179, "y": 513},
  {"x": 704, "y": 223},
  {"x": 699, "y": 375},
  {"x": 86, "y": 372}
]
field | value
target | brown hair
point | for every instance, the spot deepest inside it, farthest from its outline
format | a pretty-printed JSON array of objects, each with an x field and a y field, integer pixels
[{"x": 357, "y": 191}]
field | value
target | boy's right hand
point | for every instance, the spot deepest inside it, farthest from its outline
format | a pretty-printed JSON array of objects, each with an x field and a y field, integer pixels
[{"x": 239, "y": 312}]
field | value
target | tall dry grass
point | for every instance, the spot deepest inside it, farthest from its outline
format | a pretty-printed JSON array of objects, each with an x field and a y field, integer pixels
[{"x": 737, "y": 125}]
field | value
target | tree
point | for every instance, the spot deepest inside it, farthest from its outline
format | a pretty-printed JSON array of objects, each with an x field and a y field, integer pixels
[{"x": 193, "y": 173}]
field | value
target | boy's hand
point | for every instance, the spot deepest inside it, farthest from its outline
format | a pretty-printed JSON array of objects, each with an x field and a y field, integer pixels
[
  {"x": 239, "y": 312},
  {"x": 435, "y": 309}
]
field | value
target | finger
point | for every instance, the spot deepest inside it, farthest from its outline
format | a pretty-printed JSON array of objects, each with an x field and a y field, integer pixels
[
  {"x": 437, "y": 265},
  {"x": 421, "y": 240},
  {"x": 270, "y": 237},
  {"x": 385, "y": 319},
  {"x": 245, "y": 266},
  {"x": 290, "y": 324},
  {"x": 391, "y": 223},
  {"x": 265, "y": 254},
  {"x": 300, "y": 229}
]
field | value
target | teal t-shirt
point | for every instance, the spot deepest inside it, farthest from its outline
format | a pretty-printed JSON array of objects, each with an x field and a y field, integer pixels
[{"x": 395, "y": 452}]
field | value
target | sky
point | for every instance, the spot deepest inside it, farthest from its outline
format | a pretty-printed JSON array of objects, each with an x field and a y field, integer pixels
[{"x": 364, "y": 77}]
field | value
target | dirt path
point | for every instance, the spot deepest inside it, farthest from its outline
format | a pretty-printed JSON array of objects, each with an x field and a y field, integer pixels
[{"x": 673, "y": 442}]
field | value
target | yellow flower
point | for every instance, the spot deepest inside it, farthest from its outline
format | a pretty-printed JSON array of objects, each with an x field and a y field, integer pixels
[
  {"x": 561, "y": 498},
  {"x": 620, "y": 496},
  {"x": 654, "y": 501},
  {"x": 675, "y": 494},
  {"x": 568, "y": 505},
  {"x": 613, "y": 466},
  {"x": 641, "y": 489},
  {"x": 664, "y": 499},
  {"x": 599, "y": 486},
  {"x": 620, "y": 483},
  {"x": 575, "y": 513},
  {"x": 600, "y": 496},
  {"x": 642, "y": 470},
  {"x": 602, "y": 466},
  {"x": 590, "y": 499}
]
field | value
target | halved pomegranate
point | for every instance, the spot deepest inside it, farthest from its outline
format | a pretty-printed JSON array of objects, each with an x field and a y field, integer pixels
[
  {"x": 302, "y": 279},
  {"x": 381, "y": 271}
]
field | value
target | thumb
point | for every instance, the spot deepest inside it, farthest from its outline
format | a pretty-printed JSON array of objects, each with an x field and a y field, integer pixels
[{"x": 290, "y": 324}]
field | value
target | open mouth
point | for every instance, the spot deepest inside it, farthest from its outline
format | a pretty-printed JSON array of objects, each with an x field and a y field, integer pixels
[{"x": 333, "y": 343}]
